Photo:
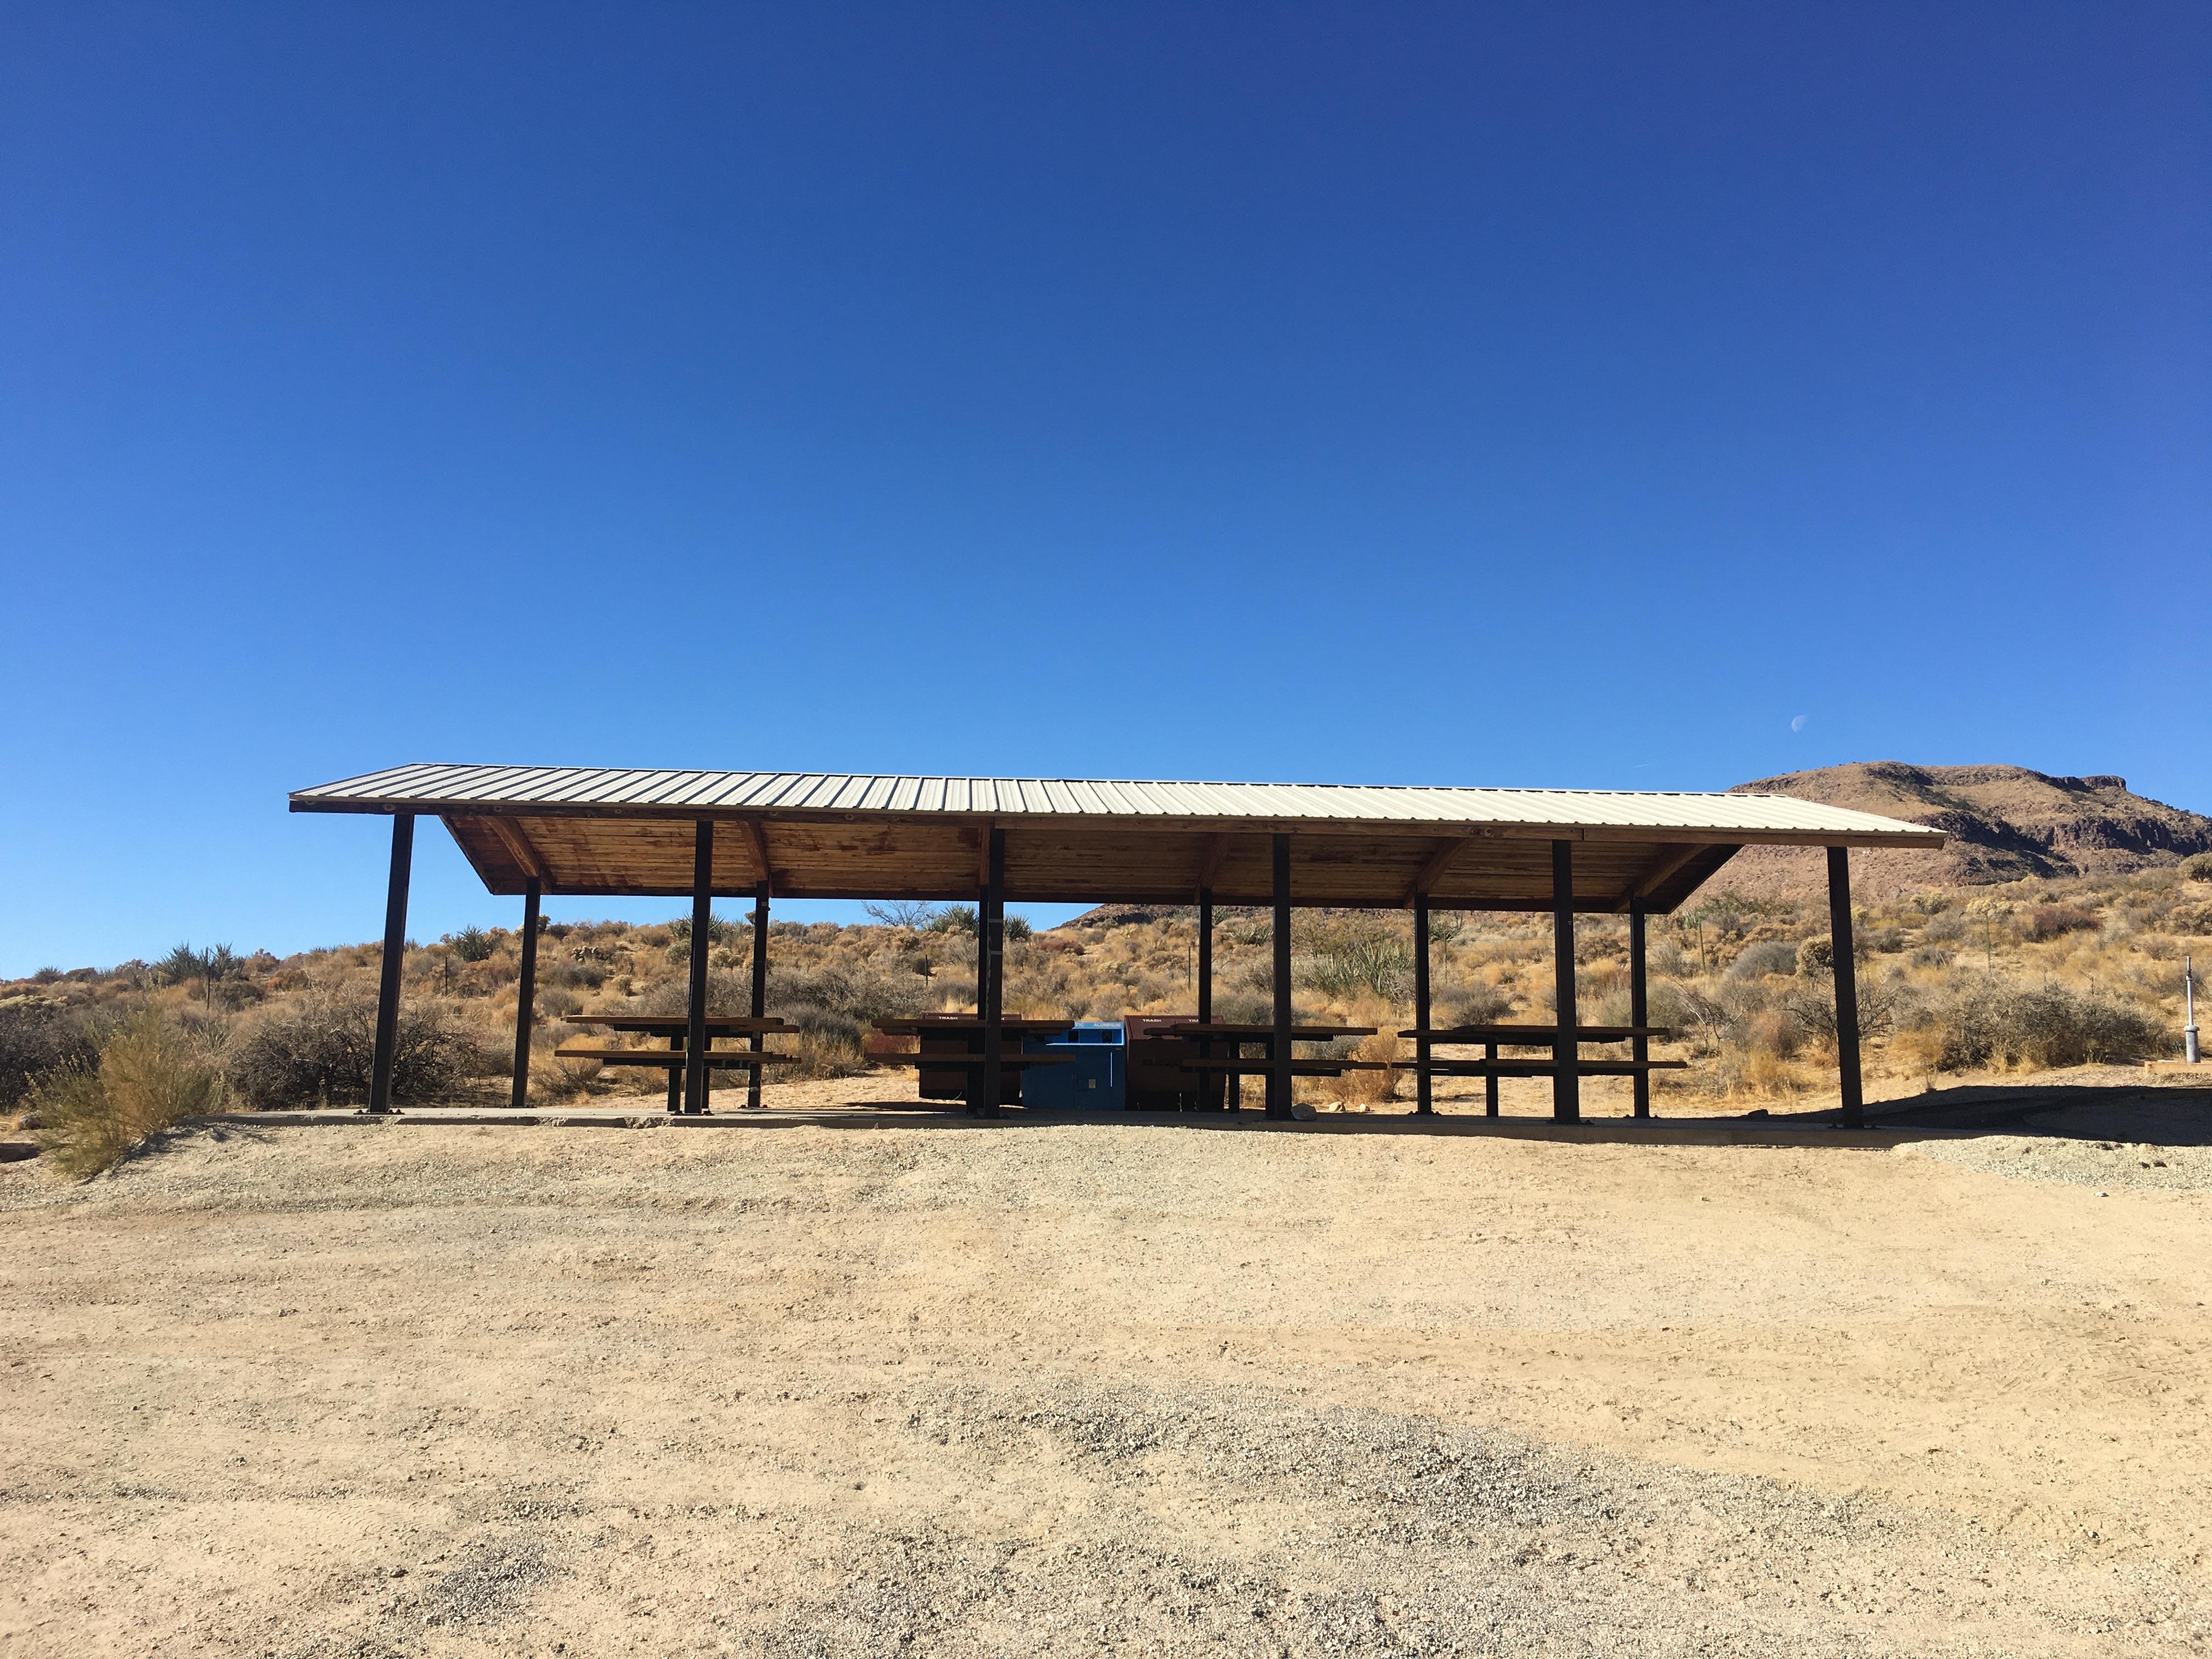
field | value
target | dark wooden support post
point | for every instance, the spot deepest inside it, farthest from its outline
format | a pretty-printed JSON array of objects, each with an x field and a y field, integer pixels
[
  {"x": 1210, "y": 1091},
  {"x": 525, "y": 989},
  {"x": 1490, "y": 1082},
  {"x": 1639, "y": 1006},
  {"x": 991, "y": 939},
  {"x": 1279, "y": 1053},
  {"x": 695, "y": 1069},
  {"x": 395, "y": 950},
  {"x": 1423, "y": 1103},
  {"x": 759, "y": 1044},
  {"x": 1842, "y": 949},
  {"x": 1566, "y": 1044}
]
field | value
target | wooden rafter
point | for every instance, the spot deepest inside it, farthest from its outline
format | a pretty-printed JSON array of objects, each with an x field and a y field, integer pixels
[
  {"x": 1662, "y": 869},
  {"x": 1214, "y": 855},
  {"x": 517, "y": 843},
  {"x": 1433, "y": 866},
  {"x": 757, "y": 839}
]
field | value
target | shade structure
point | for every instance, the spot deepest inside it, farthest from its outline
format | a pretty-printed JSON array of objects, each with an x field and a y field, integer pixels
[{"x": 605, "y": 832}]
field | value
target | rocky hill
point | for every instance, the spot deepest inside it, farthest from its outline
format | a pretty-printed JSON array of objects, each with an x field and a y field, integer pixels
[{"x": 2006, "y": 823}]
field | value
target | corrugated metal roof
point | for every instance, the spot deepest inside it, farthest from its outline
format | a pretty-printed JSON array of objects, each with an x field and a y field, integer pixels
[{"x": 553, "y": 790}]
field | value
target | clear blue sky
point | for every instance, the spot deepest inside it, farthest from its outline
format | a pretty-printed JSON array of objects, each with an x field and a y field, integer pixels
[{"x": 1549, "y": 394}]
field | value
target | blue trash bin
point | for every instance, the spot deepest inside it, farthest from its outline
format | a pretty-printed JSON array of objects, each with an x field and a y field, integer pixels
[{"x": 1095, "y": 1079}]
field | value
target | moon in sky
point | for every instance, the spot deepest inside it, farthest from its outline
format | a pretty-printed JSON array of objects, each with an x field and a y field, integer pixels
[{"x": 1798, "y": 724}]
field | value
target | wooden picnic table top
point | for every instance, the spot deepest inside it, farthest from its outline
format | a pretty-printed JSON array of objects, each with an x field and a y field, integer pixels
[
  {"x": 970, "y": 1062},
  {"x": 923, "y": 1024},
  {"x": 1535, "y": 1034},
  {"x": 1254, "y": 1033},
  {"x": 672, "y": 1024}
]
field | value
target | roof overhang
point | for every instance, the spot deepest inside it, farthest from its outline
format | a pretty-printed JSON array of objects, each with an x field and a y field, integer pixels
[{"x": 607, "y": 833}]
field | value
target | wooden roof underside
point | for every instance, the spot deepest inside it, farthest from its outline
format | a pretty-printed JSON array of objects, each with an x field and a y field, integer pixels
[{"x": 1091, "y": 861}]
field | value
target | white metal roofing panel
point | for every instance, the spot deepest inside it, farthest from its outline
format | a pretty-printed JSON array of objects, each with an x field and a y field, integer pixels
[{"x": 459, "y": 788}]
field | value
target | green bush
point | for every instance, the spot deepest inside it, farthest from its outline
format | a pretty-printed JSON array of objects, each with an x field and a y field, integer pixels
[
  {"x": 2197, "y": 867},
  {"x": 324, "y": 1049},
  {"x": 1995, "y": 1024},
  {"x": 149, "y": 1074},
  {"x": 472, "y": 943},
  {"x": 720, "y": 930},
  {"x": 37, "y": 1038},
  {"x": 953, "y": 919}
]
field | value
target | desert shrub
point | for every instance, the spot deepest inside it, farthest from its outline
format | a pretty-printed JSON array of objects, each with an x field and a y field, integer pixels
[
  {"x": 2049, "y": 921},
  {"x": 37, "y": 1038},
  {"x": 1816, "y": 956},
  {"x": 1993, "y": 1023},
  {"x": 1773, "y": 955},
  {"x": 574, "y": 975},
  {"x": 1444, "y": 927},
  {"x": 913, "y": 915},
  {"x": 325, "y": 1046},
  {"x": 555, "y": 1001},
  {"x": 1945, "y": 928},
  {"x": 148, "y": 1075},
  {"x": 953, "y": 919},
  {"x": 720, "y": 930},
  {"x": 2197, "y": 867},
  {"x": 1359, "y": 963},
  {"x": 1243, "y": 1005},
  {"x": 472, "y": 943},
  {"x": 1475, "y": 1002},
  {"x": 1928, "y": 956},
  {"x": 1812, "y": 1011},
  {"x": 1017, "y": 929}
]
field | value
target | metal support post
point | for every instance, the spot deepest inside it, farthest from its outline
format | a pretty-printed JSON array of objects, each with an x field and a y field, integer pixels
[
  {"x": 695, "y": 1069},
  {"x": 1639, "y": 1006},
  {"x": 1279, "y": 1057},
  {"x": 388, "y": 970},
  {"x": 526, "y": 992},
  {"x": 1845, "y": 952},
  {"x": 1423, "y": 1103},
  {"x": 990, "y": 931},
  {"x": 759, "y": 1044},
  {"x": 1210, "y": 1091},
  {"x": 1566, "y": 1039}
]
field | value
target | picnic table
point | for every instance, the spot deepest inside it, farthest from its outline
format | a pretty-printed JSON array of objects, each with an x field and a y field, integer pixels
[
  {"x": 1238, "y": 1036},
  {"x": 1492, "y": 1066},
  {"x": 952, "y": 1045},
  {"x": 676, "y": 1028}
]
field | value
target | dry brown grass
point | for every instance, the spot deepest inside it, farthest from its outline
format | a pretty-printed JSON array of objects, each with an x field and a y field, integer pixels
[{"x": 2020, "y": 977}]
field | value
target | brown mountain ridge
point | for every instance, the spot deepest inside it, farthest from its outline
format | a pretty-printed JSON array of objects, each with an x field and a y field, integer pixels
[{"x": 2006, "y": 823}]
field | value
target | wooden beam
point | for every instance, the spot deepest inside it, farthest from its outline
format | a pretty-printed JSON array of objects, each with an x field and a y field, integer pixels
[
  {"x": 1215, "y": 855},
  {"x": 512, "y": 837},
  {"x": 983, "y": 859},
  {"x": 757, "y": 838},
  {"x": 1662, "y": 870},
  {"x": 1433, "y": 868}
]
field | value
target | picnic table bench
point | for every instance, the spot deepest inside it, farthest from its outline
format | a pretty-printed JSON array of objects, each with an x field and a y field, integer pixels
[
  {"x": 676, "y": 1028},
  {"x": 1492, "y": 1066}
]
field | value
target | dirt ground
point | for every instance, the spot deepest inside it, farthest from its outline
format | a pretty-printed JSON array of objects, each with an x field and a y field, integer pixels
[{"x": 898, "y": 1383}]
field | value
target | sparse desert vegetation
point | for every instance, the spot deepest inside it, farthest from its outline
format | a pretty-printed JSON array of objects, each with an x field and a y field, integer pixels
[{"x": 2021, "y": 977}]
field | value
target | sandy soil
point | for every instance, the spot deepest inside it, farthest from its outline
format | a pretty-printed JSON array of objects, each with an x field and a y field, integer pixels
[{"x": 913, "y": 1385}]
